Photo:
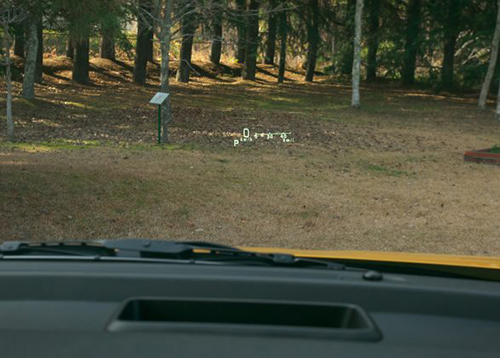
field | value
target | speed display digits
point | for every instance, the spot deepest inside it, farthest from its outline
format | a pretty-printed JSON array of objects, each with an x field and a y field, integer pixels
[{"x": 246, "y": 137}]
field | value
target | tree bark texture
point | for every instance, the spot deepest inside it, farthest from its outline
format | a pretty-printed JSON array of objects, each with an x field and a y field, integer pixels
[
  {"x": 39, "y": 54},
  {"x": 31, "y": 57},
  {"x": 252, "y": 41},
  {"x": 312, "y": 38},
  {"x": 242, "y": 22},
  {"x": 411, "y": 44},
  {"x": 447, "y": 74},
  {"x": 8, "y": 80},
  {"x": 493, "y": 60},
  {"x": 107, "y": 49},
  {"x": 150, "y": 47},
  {"x": 347, "y": 44},
  {"x": 216, "y": 46},
  {"x": 165, "y": 37},
  {"x": 373, "y": 42},
  {"x": 81, "y": 64},
  {"x": 142, "y": 46},
  {"x": 283, "y": 31},
  {"x": 188, "y": 28},
  {"x": 70, "y": 50},
  {"x": 498, "y": 104},
  {"x": 271, "y": 34},
  {"x": 451, "y": 34},
  {"x": 356, "y": 66}
]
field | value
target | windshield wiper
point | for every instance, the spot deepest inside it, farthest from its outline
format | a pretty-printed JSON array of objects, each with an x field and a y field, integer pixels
[
  {"x": 72, "y": 249},
  {"x": 136, "y": 249}
]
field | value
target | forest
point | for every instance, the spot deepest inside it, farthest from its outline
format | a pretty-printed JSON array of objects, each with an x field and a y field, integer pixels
[
  {"x": 380, "y": 97},
  {"x": 446, "y": 45}
]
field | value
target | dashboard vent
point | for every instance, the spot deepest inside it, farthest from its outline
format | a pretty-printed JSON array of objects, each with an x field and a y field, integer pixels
[{"x": 281, "y": 318}]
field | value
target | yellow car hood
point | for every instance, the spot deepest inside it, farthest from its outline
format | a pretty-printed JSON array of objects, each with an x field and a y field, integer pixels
[{"x": 489, "y": 262}]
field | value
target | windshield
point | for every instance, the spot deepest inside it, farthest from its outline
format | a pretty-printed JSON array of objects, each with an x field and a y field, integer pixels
[{"x": 359, "y": 125}]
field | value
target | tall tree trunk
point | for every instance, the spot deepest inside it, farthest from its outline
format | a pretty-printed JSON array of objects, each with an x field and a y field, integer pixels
[
  {"x": 271, "y": 34},
  {"x": 39, "y": 54},
  {"x": 150, "y": 47},
  {"x": 242, "y": 22},
  {"x": 411, "y": 44},
  {"x": 142, "y": 45},
  {"x": 188, "y": 28},
  {"x": 356, "y": 66},
  {"x": 19, "y": 43},
  {"x": 451, "y": 34},
  {"x": 447, "y": 74},
  {"x": 498, "y": 104},
  {"x": 30, "y": 64},
  {"x": 283, "y": 30},
  {"x": 252, "y": 41},
  {"x": 347, "y": 48},
  {"x": 70, "y": 49},
  {"x": 107, "y": 49},
  {"x": 81, "y": 64},
  {"x": 493, "y": 60},
  {"x": 333, "y": 47},
  {"x": 312, "y": 38},
  {"x": 216, "y": 47},
  {"x": 165, "y": 38},
  {"x": 10, "y": 120},
  {"x": 374, "y": 21},
  {"x": 8, "y": 80}
]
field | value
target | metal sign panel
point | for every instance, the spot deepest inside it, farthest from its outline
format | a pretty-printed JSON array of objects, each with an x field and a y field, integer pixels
[{"x": 159, "y": 98}]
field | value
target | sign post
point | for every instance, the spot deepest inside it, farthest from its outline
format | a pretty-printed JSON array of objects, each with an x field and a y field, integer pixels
[{"x": 158, "y": 99}]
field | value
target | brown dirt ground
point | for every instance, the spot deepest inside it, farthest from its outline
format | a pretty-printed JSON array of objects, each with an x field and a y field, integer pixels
[{"x": 389, "y": 177}]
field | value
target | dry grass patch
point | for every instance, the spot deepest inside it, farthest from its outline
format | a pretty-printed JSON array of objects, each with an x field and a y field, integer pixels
[{"x": 258, "y": 198}]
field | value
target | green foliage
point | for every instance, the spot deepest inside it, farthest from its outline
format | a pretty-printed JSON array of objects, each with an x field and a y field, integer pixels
[
  {"x": 495, "y": 149},
  {"x": 124, "y": 43},
  {"x": 472, "y": 74},
  {"x": 84, "y": 18},
  {"x": 390, "y": 58}
]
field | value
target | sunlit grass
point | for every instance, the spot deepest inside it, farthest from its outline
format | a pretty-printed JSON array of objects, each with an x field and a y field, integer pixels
[
  {"x": 47, "y": 146},
  {"x": 385, "y": 171},
  {"x": 69, "y": 144}
]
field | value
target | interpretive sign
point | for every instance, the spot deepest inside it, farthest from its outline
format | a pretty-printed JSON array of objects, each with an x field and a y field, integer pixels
[{"x": 158, "y": 99}]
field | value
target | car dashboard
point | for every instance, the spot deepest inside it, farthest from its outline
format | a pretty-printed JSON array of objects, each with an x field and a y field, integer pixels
[{"x": 59, "y": 308}]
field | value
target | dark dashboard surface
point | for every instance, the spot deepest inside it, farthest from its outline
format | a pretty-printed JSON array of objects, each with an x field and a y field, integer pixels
[{"x": 68, "y": 309}]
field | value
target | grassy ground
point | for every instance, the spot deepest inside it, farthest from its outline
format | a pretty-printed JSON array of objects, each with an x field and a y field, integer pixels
[{"x": 388, "y": 177}]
